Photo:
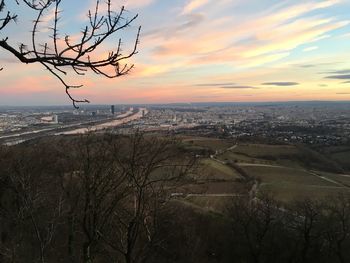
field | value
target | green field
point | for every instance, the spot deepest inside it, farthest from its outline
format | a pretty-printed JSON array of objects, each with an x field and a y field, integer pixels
[
  {"x": 287, "y": 171},
  {"x": 208, "y": 143},
  {"x": 341, "y": 178},
  {"x": 343, "y": 158},
  {"x": 287, "y": 183},
  {"x": 340, "y": 154},
  {"x": 285, "y": 155},
  {"x": 282, "y": 174},
  {"x": 265, "y": 151},
  {"x": 287, "y": 192},
  {"x": 264, "y": 154},
  {"x": 216, "y": 171},
  {"x": 241, "y": 158}
]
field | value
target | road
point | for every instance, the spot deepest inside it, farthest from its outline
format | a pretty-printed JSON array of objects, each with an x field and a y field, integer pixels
[
  {"x": 263, "y": 165},
  {"x": 213, "y": 195}
]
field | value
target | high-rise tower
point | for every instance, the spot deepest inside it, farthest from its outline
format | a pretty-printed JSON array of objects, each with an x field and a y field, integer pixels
[{"x": 112, "y": 109}]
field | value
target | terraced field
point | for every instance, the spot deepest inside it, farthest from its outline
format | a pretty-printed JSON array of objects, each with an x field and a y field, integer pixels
[{"x": 289, "y": 172}]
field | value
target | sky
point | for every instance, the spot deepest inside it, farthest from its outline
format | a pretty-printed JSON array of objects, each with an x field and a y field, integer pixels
[{"x": 198, "y": 51}]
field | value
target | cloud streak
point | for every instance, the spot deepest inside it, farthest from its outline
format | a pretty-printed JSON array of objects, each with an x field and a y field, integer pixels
[
  {"x": 280, "y": 83},
  {"x": 245, "y": 44},
  {"x": 215, "y": 84},
  {"x": 238, "y": 87},
  {"x": 193, "y": 5},
  {"x": 308, "y": 49},
  {"x": 342, "y": 77}
]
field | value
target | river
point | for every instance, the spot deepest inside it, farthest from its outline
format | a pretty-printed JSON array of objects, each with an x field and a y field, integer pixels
[{"x": 126, "y": 117}]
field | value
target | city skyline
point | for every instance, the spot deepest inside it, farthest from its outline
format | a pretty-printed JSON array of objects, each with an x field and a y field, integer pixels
[{"x": 203, "y": 51}]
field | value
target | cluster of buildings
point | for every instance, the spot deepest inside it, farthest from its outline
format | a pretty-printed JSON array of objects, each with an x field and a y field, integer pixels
[
  {"x": 311, "y": 123},
  {"x": 13, "y": 122},
  {"x": 23, "y": 119},
  {"x": 307, "y": 123}
]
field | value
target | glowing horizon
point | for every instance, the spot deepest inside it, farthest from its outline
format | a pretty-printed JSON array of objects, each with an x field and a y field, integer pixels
[{"x": 205, "y": 51}]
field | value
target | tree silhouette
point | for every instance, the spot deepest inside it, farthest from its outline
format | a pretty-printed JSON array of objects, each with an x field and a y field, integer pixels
[{"x": 76, "y": 55}]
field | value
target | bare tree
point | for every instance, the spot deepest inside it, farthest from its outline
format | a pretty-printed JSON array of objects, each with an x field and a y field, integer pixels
[
  {"x": 306, "y": 224},
  {"x": 94, "y": 187},
  {"x": 257, "y": 226},
  {"x": 153, "y": 166},
  {"x": 115, "y": 188},
  {"x": 29, "y": 201},
  {"x": 59, "y": 55},
  {"x": 337, "y": 230}
]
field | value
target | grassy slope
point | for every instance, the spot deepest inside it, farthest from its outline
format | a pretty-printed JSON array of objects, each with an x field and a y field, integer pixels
[
  {"x": 217, "y": 171},
  {"x": 341, "y": 154},
  {"x": 291, "y": 181},
  {"x": 288, "y": 184}
]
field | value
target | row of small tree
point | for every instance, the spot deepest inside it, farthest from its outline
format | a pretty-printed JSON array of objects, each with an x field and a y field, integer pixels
[
  {"x": 304, "y": 231},
  {"x": 259, "y": 231}
]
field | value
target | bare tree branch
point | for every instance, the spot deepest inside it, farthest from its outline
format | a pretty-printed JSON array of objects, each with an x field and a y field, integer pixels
[{"x": 77, "y": 56}]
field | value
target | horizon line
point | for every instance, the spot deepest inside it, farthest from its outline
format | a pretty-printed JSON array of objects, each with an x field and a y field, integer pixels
[{"x": 182, "y": 103}]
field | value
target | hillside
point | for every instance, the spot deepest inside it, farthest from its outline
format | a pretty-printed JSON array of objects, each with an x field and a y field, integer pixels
[{"x": 181, "y": 199}]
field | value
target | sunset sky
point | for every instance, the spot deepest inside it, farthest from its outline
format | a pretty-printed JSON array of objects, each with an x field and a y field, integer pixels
[{"x": 201, "y": 51}]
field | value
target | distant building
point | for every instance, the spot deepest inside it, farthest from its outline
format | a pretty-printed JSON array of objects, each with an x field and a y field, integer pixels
[
  {"x": 112, "y": 109},
  {"x": 55, "y": 119}
]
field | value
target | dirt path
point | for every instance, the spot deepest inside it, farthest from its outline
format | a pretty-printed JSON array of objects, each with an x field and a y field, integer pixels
[
  {"x": 263, "y": 165},
  {"x": 213, "y": 195}
]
